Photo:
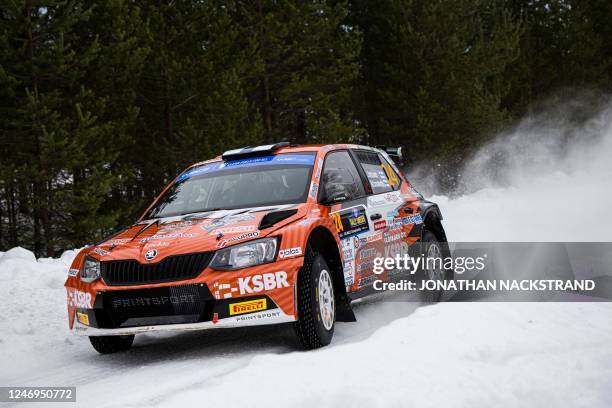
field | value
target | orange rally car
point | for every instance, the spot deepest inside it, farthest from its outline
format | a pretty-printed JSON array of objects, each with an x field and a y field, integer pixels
[{"x": 261, "y": 235}]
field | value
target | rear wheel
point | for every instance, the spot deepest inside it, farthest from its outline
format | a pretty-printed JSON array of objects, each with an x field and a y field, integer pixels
[
  {"x": 432, "y": 249},
  {"x": 315, "y": 303},
  {"x": 111, "y": 344}
]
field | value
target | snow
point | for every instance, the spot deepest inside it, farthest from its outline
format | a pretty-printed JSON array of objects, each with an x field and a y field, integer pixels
[
  {"x": 451, "y": 354},
  {"x": 17, "y": 253},
  {"x": 543, "y": 181},
  {"x": 396, "y": 354}
]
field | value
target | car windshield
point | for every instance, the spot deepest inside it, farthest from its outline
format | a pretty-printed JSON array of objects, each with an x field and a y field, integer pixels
[{"x": 242, "y": 183}]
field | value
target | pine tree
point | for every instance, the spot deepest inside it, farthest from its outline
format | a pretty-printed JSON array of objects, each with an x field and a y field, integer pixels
[
  {"x": 432, "y": 72},
  {"x": 563, "y": 51},
  {"x": 192, "y": 100},
  {"x": 303, "y": 63},
  {"x": 61, "y": 146}
]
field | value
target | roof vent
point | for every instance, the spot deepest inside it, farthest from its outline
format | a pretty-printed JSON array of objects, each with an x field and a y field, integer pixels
[{"x": 263, "y": 150}]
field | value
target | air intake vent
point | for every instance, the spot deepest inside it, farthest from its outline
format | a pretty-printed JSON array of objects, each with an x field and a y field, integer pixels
[{"x": 173, "y": 268}]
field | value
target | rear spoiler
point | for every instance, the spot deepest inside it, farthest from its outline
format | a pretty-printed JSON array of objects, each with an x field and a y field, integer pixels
[{"x": 394, "y": 153}]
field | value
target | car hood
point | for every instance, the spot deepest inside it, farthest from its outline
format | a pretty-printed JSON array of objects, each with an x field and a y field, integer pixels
[{"x": 151, "y": 241}]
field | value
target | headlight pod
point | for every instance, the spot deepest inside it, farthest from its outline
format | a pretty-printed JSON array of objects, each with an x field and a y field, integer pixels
[
  {"x": 91, "y": 270},
  {"x": 244, "y": 255}
]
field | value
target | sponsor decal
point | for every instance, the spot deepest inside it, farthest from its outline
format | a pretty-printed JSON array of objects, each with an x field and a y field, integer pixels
[
  {"x": 78, "y": 299},
  {"x": 83, "y": 318},
  {"x": 251, "y": 284},
  {"x": 367, "y": 253},
  {"x": 157, "y": 244},
  {"x": 227, "y": 220},
  {"x": 319, "y": 168},
  {"x": 357, "y": 221},
  {"x": 150, "y": 254},
  {"x": 314, "y": 187},
  {"x": 165, "y": 236},
  {"x": 248, "y": 235},
  {"x": 365, "y": 266},
  {"x": 371, "y": 238},
  {"x": 100, "y": 252},
  {"x": 347, "y": 254},
  {"x": 349, "y": 273},
  {"x": 259, "y": 316},
  {"x": 380, "y": 225},
  {"x": 287, "y": 253},
  {"x": 146, "y": 301},
  {"x": 234, "y": 230},
  {"x": 367, "y": 281},
  {"x": 392, "y": 178},
  {"x": 117, "y": 241},
  {"x": 337, "y": 220},
  {"x": 259, "y": 283},
  {"x": 376, "y": 201},
  {"x": 413, "y": 219},
  {"x": 173, "y": 226},
  {"x": 396, "y": 249},
  {"x": 73, "y": 272},
  {"x": 392, "y": 197},
  {"x": 299, "y": 159},
  {"x": 247, "y": 307},
  {"x": 350, "y": 222},
  {"x": 395, "y": 237}
]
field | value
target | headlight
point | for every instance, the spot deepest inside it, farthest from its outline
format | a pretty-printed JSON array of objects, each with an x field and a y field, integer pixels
[
  {"x": 91, "y": 270},
  {"x": 244, "y": 255}
]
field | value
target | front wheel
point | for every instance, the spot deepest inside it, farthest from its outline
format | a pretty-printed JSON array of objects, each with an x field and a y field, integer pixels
[
  {"x": 315, "y": 303},
  {"x": 111, "y": 344}
]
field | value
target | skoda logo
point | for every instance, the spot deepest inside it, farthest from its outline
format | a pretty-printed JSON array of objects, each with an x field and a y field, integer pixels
[{"x": 150, "y": 255}]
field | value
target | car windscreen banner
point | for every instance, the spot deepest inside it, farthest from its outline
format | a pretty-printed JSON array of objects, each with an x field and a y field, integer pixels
[{"x": 303, "y": 159}]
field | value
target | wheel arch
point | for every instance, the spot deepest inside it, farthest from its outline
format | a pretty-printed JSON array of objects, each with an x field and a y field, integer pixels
[
  {"x": 322, "y": 240},
  {"x": 432, "y": 221}
]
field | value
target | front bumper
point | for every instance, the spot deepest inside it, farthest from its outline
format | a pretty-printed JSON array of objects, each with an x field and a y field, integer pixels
[
  {"x": 271, "y": 316},
  {"x": 254, "y": 296}
]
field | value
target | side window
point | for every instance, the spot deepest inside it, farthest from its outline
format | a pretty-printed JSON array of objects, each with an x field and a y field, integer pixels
[
  {"x": 340, "y": 179},
  {"x": 374, "y": 171},
  {"x": 394, "y": 180}
]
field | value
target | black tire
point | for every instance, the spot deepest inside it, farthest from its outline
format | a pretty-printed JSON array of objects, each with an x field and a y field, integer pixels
[
  {"x": 427, "y": 241},
  {"x": 111, "y": 344},
  {"x": 310, "y": 328}
]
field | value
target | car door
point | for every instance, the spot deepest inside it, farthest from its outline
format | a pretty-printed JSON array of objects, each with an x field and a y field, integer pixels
[
  {"x": 383, "y": 204},
  {"x": 343, "y": 191}
]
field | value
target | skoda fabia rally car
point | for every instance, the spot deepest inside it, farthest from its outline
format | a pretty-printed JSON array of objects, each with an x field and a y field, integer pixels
[{"x": 261, "y": 235}]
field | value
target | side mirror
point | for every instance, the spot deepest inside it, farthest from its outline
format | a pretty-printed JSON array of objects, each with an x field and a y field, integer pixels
[{"x": 337, "y": 194}]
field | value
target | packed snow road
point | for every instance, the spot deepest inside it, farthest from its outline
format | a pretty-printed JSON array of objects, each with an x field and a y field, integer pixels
[
  {"x": 447, "y": 354},
  {"x": 451, "y": 354}
]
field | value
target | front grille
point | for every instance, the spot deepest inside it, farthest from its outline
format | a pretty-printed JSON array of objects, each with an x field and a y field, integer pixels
[
  {"x": 154, "y": 306},
  {"x": 173, "y": 268}
]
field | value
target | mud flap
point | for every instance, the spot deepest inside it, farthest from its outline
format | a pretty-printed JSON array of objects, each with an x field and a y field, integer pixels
[{"x": 344, "y": 311}]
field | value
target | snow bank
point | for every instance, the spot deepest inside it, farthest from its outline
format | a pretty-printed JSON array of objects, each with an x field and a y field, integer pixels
[
  {"x": 17, "y": 253},
  {"x": 33, "y": 315}
]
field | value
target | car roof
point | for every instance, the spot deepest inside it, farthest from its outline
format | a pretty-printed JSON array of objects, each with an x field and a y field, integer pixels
[{"x": 299, "y": 149}]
